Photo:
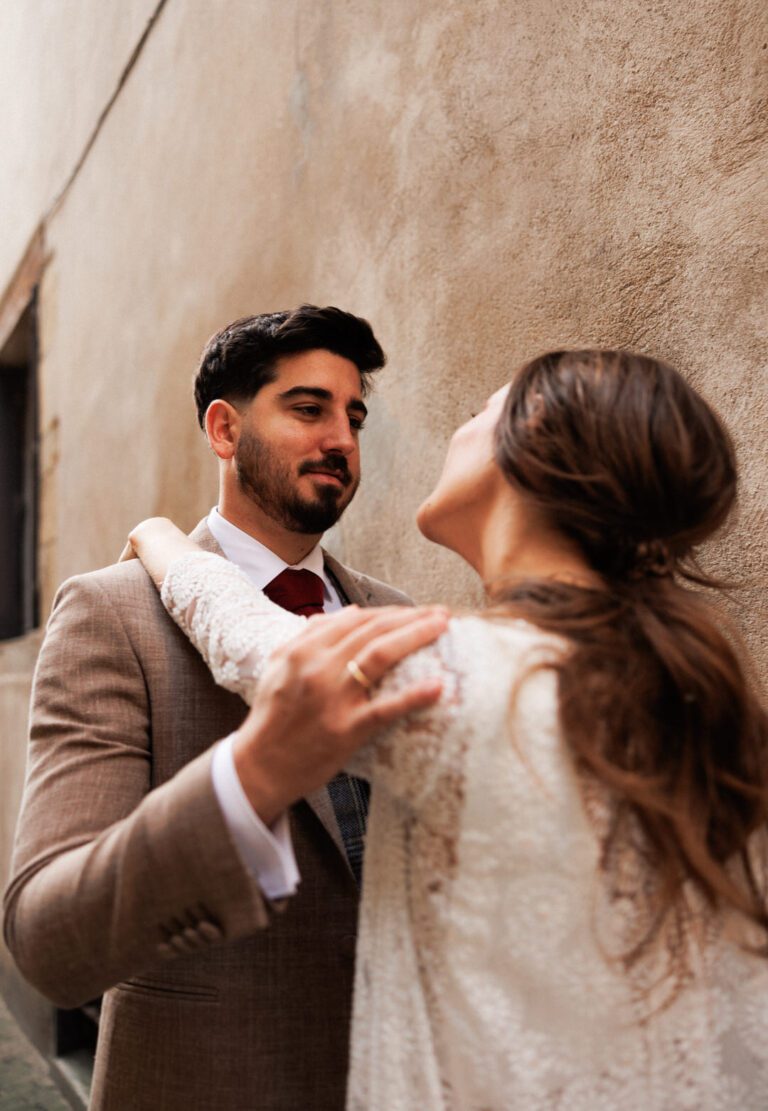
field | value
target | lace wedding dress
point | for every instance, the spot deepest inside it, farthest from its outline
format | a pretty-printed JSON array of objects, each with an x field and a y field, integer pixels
[{"x": 487, "y": 976}]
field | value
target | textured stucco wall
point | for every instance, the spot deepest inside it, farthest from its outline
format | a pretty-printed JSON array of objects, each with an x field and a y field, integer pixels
[
  {"x": 482, "y": 180},
  {"x": 60, "y": 61},
  {"x": 17, "y": 659}
]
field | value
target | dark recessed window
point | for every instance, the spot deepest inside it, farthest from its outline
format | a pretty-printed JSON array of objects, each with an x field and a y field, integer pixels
[{"x": 18, "y": 479}]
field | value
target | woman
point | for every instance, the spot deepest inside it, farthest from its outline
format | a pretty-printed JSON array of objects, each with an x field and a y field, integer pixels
[{"x": 564, "y": 894}]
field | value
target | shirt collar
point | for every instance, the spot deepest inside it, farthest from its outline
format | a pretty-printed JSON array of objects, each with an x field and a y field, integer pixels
[{"x": 260, "y": 563}]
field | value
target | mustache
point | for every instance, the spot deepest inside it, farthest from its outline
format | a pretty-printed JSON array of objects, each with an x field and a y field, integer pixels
[{"x": 332, "y": 464}]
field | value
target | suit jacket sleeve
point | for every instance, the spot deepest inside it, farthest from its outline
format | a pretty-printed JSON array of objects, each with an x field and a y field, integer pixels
[{"x": 109, "y": 875}]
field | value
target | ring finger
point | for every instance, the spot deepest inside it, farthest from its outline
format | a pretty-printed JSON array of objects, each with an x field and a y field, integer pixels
[
  {"x": 386, "y": 620},
  {"x": 387, "y": 649}
]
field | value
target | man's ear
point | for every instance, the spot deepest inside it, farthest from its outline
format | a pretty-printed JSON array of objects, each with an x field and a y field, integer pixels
[{"x": 223, "y": 424}]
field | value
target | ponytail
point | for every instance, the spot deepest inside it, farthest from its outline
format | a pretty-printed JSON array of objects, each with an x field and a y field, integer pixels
[
  {"x": 626, "y": 460},
  {"x": 654, "y": 706}
]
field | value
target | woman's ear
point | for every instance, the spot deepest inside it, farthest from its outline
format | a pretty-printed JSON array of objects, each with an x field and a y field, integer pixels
[{"x": 222, "y": 427}]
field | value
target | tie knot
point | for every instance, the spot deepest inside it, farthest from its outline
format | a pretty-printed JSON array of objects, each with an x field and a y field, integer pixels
[{"x": 298, "y": 591}]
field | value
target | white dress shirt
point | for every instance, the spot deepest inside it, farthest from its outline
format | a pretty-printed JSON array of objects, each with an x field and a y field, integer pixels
[{"x": 266, "y": 852}]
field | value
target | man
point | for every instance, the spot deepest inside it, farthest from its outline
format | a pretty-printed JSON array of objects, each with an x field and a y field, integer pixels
[{"x": 140, "y": 865}]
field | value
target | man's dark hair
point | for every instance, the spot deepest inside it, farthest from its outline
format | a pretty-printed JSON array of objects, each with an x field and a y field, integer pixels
[{"x": 242, "y": 358}]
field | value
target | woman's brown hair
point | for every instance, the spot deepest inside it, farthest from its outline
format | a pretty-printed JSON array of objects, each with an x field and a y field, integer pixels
[{"x": 622, "y": 456}]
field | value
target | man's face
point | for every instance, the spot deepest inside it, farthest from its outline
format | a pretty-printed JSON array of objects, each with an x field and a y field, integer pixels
[{"x": 298, "y": 457}]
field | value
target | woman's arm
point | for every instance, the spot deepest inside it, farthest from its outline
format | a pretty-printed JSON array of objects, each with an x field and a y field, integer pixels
[
  {"x": 312, "y": 714},
  {"x": 157, "y": 542}
]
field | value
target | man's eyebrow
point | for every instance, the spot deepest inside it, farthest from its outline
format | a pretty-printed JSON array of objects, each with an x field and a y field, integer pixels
[{"x": 321, "y": 395}]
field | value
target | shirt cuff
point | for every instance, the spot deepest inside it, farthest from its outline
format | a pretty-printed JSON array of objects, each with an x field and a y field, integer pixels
[{"x": 266, "y": 852}]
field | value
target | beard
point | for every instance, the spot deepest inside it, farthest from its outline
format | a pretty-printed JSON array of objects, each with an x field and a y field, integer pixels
[{"x": 268, "y": 482}]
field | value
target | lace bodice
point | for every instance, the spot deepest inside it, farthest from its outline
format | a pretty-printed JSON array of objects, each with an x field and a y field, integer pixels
[{"x": 483, "y": 978}]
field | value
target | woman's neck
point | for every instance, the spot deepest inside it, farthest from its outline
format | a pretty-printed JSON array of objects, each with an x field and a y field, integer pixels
[{"x": 514, "y": 544}]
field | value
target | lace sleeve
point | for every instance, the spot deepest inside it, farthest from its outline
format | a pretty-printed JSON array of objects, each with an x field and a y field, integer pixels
[{"x": 234, "y": 626}]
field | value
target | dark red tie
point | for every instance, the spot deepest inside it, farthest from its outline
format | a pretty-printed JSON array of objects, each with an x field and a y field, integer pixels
[
  {"x": 297, "y": 591},
  {"x": 302, "y": 592}
]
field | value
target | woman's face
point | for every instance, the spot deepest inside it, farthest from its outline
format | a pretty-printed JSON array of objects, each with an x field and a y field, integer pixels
[{"x": 468, "y": 481}]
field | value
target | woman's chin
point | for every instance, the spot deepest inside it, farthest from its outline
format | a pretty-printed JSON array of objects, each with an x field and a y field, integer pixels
[{"x": 425, "y": 519}]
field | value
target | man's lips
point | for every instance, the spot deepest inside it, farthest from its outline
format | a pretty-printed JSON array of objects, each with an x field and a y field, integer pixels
[
  {"x": 343, "y": 478},
  {"x": 326, "y": 476}
]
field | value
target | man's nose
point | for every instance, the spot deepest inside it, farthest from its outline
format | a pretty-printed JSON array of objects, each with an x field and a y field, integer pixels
[{"x": 339, "y": 437}]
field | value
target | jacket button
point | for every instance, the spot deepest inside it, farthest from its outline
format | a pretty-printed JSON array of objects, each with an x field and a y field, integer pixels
[
  {"x": 209, "y": 931},
  {"x": 181, "y": 944},
  {"x": 193, "y": 938}
]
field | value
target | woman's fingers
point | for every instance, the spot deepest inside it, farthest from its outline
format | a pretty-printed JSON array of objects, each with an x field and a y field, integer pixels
[
  {"x": 160, "y": 533},
  {"x": 150, "y": 526},
  {"x": 353, "y": 627},
  {"x": 384, "y": 621},
  {"x": 157, "y": 542},
  {"x": 379, "y": 654},
  {"x": 327, "y": 630},
  {"x": 385, "y": 709}
]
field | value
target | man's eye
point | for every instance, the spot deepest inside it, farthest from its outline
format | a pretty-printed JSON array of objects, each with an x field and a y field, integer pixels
[
  {"x": 357, "y": 423},
  {"x": 308, "y": 410}
]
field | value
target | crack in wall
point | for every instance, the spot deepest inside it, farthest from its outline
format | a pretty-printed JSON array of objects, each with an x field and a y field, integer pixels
[{"x": 103, "y": 115}]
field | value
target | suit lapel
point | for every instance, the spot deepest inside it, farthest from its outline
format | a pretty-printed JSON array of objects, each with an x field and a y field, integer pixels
[
  {"x": 319, "y": 801},
  {"x": 350, "y": 586},
  {"x": 204, "y": 538},
  {"x": 353, "y": 592}
]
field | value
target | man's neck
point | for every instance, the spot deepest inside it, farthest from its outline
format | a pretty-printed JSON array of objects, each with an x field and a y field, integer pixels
[{"x": 290, "y": 546}]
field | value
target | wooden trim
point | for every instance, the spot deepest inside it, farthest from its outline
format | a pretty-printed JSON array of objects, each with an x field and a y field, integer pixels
[{"x": 19, "y": 291}]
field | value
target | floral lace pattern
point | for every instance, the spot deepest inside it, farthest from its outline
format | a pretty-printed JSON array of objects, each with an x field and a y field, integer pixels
[{"x": 484, "y": 980}]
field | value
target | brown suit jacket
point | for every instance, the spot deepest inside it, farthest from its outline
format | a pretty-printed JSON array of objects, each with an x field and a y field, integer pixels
[{"x": 125, "y": 879}]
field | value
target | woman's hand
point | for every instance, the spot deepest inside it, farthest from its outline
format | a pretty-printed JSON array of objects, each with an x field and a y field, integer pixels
[
  {"x": 157, "y": 542},
  {"x": 311, "y": 714}
]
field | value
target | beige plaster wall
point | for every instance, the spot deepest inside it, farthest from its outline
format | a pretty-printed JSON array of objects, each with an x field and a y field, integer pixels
[
  {"x": 60, "y": 60},
  {"x": 16, "y": 662},
  {"x": 482, "y": 180},
  {"x": 17, "y": 659}
]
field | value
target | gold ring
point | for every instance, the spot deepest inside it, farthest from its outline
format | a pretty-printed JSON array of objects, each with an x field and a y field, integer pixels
[{"x": 357, "y": 673}]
